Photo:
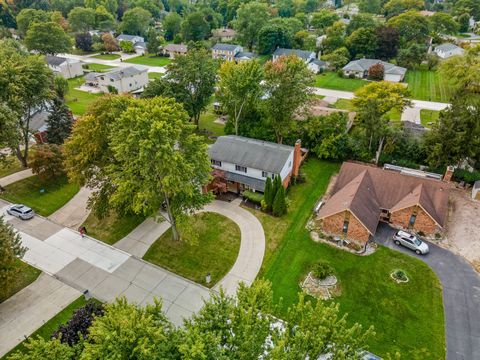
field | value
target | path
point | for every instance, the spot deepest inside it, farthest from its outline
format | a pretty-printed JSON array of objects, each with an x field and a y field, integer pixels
[
  {"x": 74, "y": 212},
  {"x": 411, "y": 114},
  {"x": 20, "y": 175},
  {"x": 26, "y": 311},
  {"x": 461, "y": 296}
]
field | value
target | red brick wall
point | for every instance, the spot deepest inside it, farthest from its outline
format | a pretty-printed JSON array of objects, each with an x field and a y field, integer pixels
[
  {"x": 334, "y": 225},
  {"x": 357, "y": 231},
  {"x": 423, "y": 222}
]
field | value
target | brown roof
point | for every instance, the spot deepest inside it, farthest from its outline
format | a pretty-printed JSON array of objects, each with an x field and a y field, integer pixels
[
  {"x": 224, "y": 32},
  {"x": 365, "y": 190},
  {"x": 180, "y": 48}
]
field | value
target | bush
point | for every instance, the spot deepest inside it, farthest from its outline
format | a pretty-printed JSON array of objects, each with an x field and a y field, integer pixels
[
  {"x": 254, "y": 197},
  {"x": 467, "y": 176},
  {"x": 351, "y": 76},
  {"x": 47, "y": 161},
  {"x": 279, "y": 204},
  {"x": 322, "y": 270},
  {"x": 340, "y": 73},
  {"x": 400, "y": 275}
]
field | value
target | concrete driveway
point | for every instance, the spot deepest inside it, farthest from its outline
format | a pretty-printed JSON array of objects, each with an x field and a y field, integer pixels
[{"x": 461, "y": 296}]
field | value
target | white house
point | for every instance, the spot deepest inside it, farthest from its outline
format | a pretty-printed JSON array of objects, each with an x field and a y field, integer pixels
[
  {"x": 309, "y": 57},
  {"x": 67, "y": 68},
  {"x": 124, "y": 80},
  {"x": 230, "y": 52},
  {"x": 448, "y": 50},
  {"x": 132, "y": 38},
  {"x": 360, "y": 68},
  {"x": 247, "y": 163}
]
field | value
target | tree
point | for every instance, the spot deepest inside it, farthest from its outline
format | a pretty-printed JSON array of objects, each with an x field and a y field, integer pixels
[
  {"x": 362, "y": 43},
  {"x": 28, "y": 17},
  {"x": 84, "y": 41},
  {"x": 153, "y": 45},
  {"x": 464, "y": 71},
  {"x": 47, "y": 162},
  {"x": 338, "y": 58},
  {"x": 456, "y": 135},
  {"x": 272, "y": 36},
  {"x": 218, "y": 185},
  {"x": 172, "y": 25},
  {"x": 60, "y": 87},
  {"x": 20, "y": 95},
  {"x": 387, "y": 40},
  {"x": 82, "y": 19},
  {"x": 239, "y": 88},
  {"x": 268, "y": 194},
  {"x": 251, "y": 17},
  {"x": 59, "y": 123},
  {"x": 58, "y": 18},
  {"x": 195, "y": 27},
  {"x": 40, "y": 348},
  {"x": 395, "y": 7},
  {"x": 109, "y": 42},
  {"x": 11, "y": 250},
  {"x": 47, "y": 38},
  {"x": 412, "y": 26},
  {"x": 358, "y": 21},
  {"x": 443, "y": 23},
  {"x": 279, "y": 204},
  {"x": 335, "y": 38},
  {"x": 376, "y": 72},
  {"x": 463, "y": 22},
  {"x": 323, "y": 19},
  {"x": 287, "y": 82},
  {"x": 104, "y": 20},
  {"x": 126, "y": 46},
  {"x": 370, "y": 6},
  {"x": 136, "y": 21},
  {"x": 412, "y": 56}
]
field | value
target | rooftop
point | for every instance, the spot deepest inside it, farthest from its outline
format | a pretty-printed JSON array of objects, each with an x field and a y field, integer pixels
[
  {"x": 117, "y": 74},
  {"x": 225, "y": 47},
  {"x": 304, "y": 54},
  {"x": 447, "y": 47},
  {"x": 365, "y": 64}
]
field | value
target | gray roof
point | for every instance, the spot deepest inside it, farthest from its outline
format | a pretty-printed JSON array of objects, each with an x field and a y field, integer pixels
[
  {"x": 225, "y": 47},
  {"x": 127, "y": 37},
  {"x": 447, "y": 47},
  {"x": 251, "y": 153},
  {"x": 318, "y": 62},
  {"x": 91, "y": 76},
  {"x": 300, "y": 53},
  {"x": 181, "y": 48},
  {"x": 254, "y": 183},
  {"x": 140, "y": 44},
  {"x": 55, "y": 60},
  {"x": 365, "y": 64},
  {"x": 118, "y": 74}
]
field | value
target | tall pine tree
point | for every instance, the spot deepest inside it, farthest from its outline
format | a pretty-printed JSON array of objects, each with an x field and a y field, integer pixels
[
  {"x": 59, "y": 123},
  {"x": 269, "y": 195},
  {"x": 279, "y": 204}
]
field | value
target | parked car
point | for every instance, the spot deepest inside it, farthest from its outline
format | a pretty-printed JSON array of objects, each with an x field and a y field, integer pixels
[
  {"x": 410, "y": 241},
  {"x": 21, "y": 211}
]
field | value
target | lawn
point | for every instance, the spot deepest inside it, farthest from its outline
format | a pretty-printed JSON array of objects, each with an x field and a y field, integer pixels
[
  {"x": 399, "y": 313},
  {"x": 107, "y": 56},
  {"x": 97, "y": 67},
  {"x": 346, "y": 104},
  {"x": 78, "y": 100},
  {"x": 150, "y": 60},
  {"x": 24, "y": 277},
  {"x": 207, "y": 122},
  {"x": 214, "y": 252},
  {"x": 428, "y": 85},
  {"x": 111, "y": 228},
  {"x": 27, "y": 191},
  {"x": 10, "y": 166},
  {"x": 47, "y": 329},
  {"x": 331, "y": 80},
  {"x": 429, "y": 116},
  {"x": 154, "y": 75}
]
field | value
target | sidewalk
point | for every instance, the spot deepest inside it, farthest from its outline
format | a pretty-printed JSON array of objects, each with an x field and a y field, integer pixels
[
  {"x": 74, "y": 212},
  {"x": 20, "y": 175}
]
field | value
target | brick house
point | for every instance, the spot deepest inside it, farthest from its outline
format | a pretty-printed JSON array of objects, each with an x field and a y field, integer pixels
[
  {"x": 364, "y": 195},
  {"x": 230, "y": 52}
]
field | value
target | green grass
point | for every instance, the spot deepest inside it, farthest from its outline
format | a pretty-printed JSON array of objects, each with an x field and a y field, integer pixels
[
  {"x": 97, "y": 67},
  {"x": 150, "y": 60},
  {"x": 346, "y": 104},
  {"x": 78, "y": 100},
  {"x": 111, "y": 228},
  {"x": 27, "y": 191},
  {"x": 428, "y": 85},
  {"x": 331, "y": 80},
  {"x": 399, "y": 313},
  {"x": 214, "y": 252},
  {"x": 154, "y": 75},
  {"x": 427, "y": 116},
  {"x": 107, "y": 56},
  {"x": 207, "y": 122},
  {"x": 264, "y": 58},
  {"x": 46, "y": 330},
  {"x": 10, "y": 166},
  {"x": 25, "y": 276}
]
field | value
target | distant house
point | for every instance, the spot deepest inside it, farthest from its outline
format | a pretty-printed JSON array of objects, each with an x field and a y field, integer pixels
[
  {"x": 67, "y": 68},
  {"x": 140, "y": 47},
  {"x": 230, "y": 52},
  {"x": 247, "y": 163},
  {"x": 309, "y": 57},
  {"x": 124, "y": 80},
  {"x": 223, "y": 34},
  {"x": 448, "y": 50},
  {"x": 138, "y": 42},
  {"x": 363, "y": 195},
  {"x": 174, "y": 50},
  {"x": 360, "y": 68}
]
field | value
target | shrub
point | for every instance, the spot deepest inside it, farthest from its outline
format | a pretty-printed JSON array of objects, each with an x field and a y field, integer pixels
[
  {"x": 269, "y": 194},
  {"x": 340, "y": 73},
  {"x": 376, "y": 72},
  {"x": 279, "y": 204},
  {"x": 421, "y": 233},
  {"x": 254, "y": 197},
  {"x": 467, "y": 176},
  {"x": 321, "y": 270},
  {"x": 400, "y": 275},
  {"x": 47, "y": 161},
  {"x": 351, "y": 76}
]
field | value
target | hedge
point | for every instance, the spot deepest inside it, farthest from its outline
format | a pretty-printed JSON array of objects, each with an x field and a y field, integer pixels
[{"x": 254, "y": 197}]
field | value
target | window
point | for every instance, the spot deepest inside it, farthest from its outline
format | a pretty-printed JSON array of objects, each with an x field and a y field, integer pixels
[
  {"x": 272, "y": 176},
  {"x": 264, "y": 174},
  {"x": 241, "y": 168},
  {"x": 216, "y": 162},
  {"x": 345, "y": 226},
  {"x": 412, "y": 220},
  {"x": 290, "y": 164}
]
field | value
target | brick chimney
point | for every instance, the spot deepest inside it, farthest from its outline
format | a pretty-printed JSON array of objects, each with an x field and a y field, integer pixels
[
  {"x": 448, "y": 173},
  {"x": 297, "y": 157}
]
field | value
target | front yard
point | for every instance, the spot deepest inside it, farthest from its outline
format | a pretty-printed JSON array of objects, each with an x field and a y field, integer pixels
[
  {"x": 107, "y": 56},
  {"x": 25, "y": 276},
  {"x": 428, "y": 85},
  {"x": 399, "y": 312},
  {"x": 331, "y": 80},
  {"x": 214, "y": 252},
  {"x": 78, "y": 100},
  {"x": 429, "y": 117},
  {"x": 11, "y": 166},
  {"x": 28, "y": 192},
  {"x": 150, "y": 60}
]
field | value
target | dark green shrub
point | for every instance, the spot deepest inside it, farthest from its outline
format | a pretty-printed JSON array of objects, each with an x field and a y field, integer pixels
[
  {"x": 279, "y": 204},
  {"x": 467, "y": 176},
  {"x": 254, "y": 197},
  {"x": 400, "y": 275},
  {"x": 321, "y": 270},
  {"x": 269, "y": 195}
]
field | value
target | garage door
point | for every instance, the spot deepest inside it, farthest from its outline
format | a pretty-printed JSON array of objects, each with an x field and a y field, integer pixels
[{"x": 393, "y": 78}]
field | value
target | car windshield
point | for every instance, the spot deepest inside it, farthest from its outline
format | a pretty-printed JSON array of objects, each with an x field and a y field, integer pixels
[
  {"x": 27, "y": 211},
  {"x": 417, "y": 242}
]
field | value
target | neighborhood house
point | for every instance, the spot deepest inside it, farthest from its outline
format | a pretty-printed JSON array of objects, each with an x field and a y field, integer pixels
[
  {"x": 67, "y": 68},
  {"x": 174, "y": 50},
  {"x": 315, "y": 65},
  {"x": 124, "y": 80},
  {"x": 230, "y": 52},
  {"x": 448, "y": 50},
  {"x": 364, "y": 195},
  {"x": 247, "y": 163},
  {"x": 360, "y": 69},
  {"x": 138, "y": 42},
  {"x": 223, "y": 34}
]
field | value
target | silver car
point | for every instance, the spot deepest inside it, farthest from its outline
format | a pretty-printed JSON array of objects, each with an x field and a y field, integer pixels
[
  {"x": 21, "y": 211},
  {"x": 410, "y": 241}
]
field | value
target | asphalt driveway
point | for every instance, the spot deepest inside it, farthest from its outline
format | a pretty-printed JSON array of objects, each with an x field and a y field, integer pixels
[{"x": 461, "y": 296}]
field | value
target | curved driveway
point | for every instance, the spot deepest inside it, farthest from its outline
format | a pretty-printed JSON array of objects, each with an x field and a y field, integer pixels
[{"x": 461, "y": 296}]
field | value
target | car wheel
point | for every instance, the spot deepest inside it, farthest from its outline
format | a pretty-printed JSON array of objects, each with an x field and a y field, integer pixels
[
  {"x": 397, "y": 242},
  {"x": 8, "y": 212},
  {"x": 418, "y": 252}
]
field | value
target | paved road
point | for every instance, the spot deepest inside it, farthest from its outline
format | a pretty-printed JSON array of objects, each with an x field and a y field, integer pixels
[{"x": 461, "y": 296}]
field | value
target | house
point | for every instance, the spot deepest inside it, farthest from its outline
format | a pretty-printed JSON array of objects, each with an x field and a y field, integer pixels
[
  {"x": 138, "y": 42},
  {"x": 359, "y": 68},
  {"x": 247, "y": 163},
  {"x": 67, "y": 68},
  {"x": 448, "y": 50},
  {"x": 174, "y": 50},
  {"x": 140, "y": 47},
  {"x": 223, "y": 34},
  {"x": 124, "y": 80},
  {"x": 309, "y": 57},
  {"x": 363, "y": 195},
  {"x": 230, "y": 52}
]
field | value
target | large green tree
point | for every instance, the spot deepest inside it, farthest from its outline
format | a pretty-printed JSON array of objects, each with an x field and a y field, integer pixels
[
  {"x": 28, "y": 17},
  {"x": 48, "y": 38},
  {"x": 136, "y": 21},
  {"x": 81, "y": 19},
  {"x": 195, "y": 27},
  {"x": 362, "y": 43},
  {"x": 443, "y": 23},
  {"x": 323, "y": 19},
  {"x": 251, "y": 17},
  {"x": 274, "y": 35},
  {"x": 412, "y": 26},
  {"x": 172, "y": 25},
  {"x": 464, "y": 71}
]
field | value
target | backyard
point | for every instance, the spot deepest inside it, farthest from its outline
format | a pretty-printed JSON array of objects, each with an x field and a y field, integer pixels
[
  {"x": 78, "y": 100},
  {"x": 154, "y": 75},
  {"x": 214, "y": 250},
  {"x": 150, "y": 60},
  {"x": 428, "y": 85},
  {"x": 429, "y": 117},
  {"x": 43, "y": 197},
  {"x": 331, "y": 80},
  {"x": 368, "y": 294},
  {"x": 97, "y": 67},
  {"x": 207, "y": 122}
]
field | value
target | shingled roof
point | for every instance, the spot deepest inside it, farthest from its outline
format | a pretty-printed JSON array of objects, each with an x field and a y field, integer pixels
[{"x": 365, "y": 190}]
